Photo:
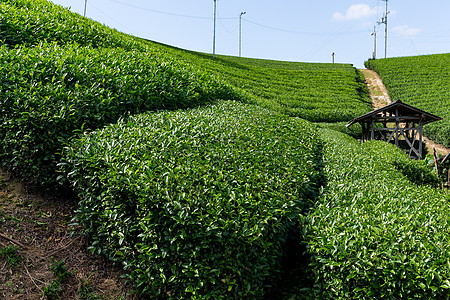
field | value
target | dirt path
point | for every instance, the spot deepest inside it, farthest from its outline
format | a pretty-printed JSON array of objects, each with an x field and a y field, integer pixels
[
  {"x": 380, "y": 97},
  {"x": 377, "y": 90}
]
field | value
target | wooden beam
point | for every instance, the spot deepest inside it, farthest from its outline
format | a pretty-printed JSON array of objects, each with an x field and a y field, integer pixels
[
  {"x": 391, "y": 136},
  {"x": 392, "y": 128},
  {"x": 372, "y": 134},
  {"x": 397, "y": 128},
  {"x": 412, "y": 148},
  {"x": 404, "y": 118}
]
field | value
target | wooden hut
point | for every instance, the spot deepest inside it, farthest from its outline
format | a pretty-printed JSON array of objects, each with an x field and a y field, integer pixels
[{"x": 397, "y": 123}]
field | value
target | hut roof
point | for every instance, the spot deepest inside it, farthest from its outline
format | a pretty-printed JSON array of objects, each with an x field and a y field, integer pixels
[{"x": 405, "y": 113}]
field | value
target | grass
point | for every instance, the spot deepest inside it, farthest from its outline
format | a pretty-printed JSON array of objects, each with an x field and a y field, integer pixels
[{"x": 10, "y": 253}]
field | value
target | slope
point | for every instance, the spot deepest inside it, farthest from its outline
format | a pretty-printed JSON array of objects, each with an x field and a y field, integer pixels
[
  {"x": 421, "y": 81},
  {"x": 196, "y": 196},
  {"x": 57, "y": 83}
]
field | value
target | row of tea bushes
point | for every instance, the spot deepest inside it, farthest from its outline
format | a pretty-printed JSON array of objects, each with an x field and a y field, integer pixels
[
  {"x": 35, "y": 21},
  {"x": 421, "y": 81},
  {"x": 374, "y": 233},
  {"x": 311, "y": 91},
  {"x": 196, "y": 203},
  {"x": 315, "y": 92},
  {"x": 49, "y": 93}
]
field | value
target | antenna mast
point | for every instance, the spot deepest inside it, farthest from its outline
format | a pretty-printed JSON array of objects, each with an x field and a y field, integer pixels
[
  {"x": 384, "y": 21},
  {"x": 214, "y": 35},
  {"x": 240, "y": 32},
  {"x": 374, "y": 33}
]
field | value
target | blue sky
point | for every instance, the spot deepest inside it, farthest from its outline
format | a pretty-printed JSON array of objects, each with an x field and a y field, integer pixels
[{"x": 284, "y": 29}]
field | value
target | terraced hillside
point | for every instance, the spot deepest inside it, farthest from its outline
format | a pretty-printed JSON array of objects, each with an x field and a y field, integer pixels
[
  {"x": 422, "y": 81},
  {"x": 81, "y": 82}
]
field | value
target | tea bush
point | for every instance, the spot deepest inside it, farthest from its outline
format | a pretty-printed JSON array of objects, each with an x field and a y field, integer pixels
[
  {"x": 374, "y": 233},
  {"x": 32, "y": 22},
  {"x": 49, "y": 93},
  {"x": 196, "y": 203},
  {"x": 311, "y": 91},
  {"x": 316, "y": 92}
]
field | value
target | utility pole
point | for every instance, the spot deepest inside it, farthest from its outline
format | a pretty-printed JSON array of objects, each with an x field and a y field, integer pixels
[
  {"x": 240, "y": 33},
  {"x": 332, "y": 57},
  {"x": 384, "y": 21},
  {"x": 85, "y": 4},
  {"x": 214, "y": 35},
  {"x": 374, "y": 33}
]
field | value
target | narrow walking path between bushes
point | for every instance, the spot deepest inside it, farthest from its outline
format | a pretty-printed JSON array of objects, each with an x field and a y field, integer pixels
[{"x": 380, "y": 97}]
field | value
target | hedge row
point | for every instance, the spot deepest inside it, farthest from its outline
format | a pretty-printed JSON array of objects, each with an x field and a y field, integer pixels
[
  {"x": 196, "y": 203},
  {"x": 311, "y": 91},
  {"x": 49, "y": 93},
  {"x": 32, "y": 22},
  {"x": 316, "y": 92},
  {"x": 377, "y": 233}
]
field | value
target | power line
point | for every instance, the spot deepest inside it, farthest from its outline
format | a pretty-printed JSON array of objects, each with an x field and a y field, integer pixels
[
  {"x": 223, "y": 24},
  {"x": 103, "y": 13},
  {"x": 343, "y": 28},
  {"x": 300, "y": 32},
  {"x": 214, "y": 36},
  {"x": 234, "y": 18},
  {"x": 409, "y": 36},
  {"x": 165, "y": 12}
]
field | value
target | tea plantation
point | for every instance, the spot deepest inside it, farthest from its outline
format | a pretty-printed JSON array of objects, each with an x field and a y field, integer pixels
[
  {"x": 378, "y": 231},
  {"x": 202, "y": 177},
  {"x": 193, "y": 205},
  {"x": 315, "y": 92},
  {"x": 422, "y": 81}
]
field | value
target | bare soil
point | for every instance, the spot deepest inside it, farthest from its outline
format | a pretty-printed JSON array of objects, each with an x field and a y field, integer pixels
[
  {"x": 38, "y": 227},
  {"x": 377, "y": 90}
]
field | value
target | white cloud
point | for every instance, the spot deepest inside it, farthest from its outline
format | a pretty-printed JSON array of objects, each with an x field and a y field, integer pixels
[
  {"x": 406, "y": 31},
  {"x": 356, "y": 12}
]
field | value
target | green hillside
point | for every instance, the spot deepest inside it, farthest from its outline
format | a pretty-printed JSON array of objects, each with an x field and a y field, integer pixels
[
  {"x": 298, "y": 89},
  {"x": 422, "y": 81},
  {"x": 209, "y": 178},
  {"x": 84, "y": 75},
  {"x": 315, "y": 92}
]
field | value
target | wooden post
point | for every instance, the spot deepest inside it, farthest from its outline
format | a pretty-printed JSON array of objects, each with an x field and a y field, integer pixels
[
  {"x": 365, "y": 132},
  {"x": 447, "y": 183},
  {"x": 397, "y": 126},
  {"x": 420, "y": 138},
  {"x": 448, "y": 180},
  {"x": 372, "y": 133}
]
